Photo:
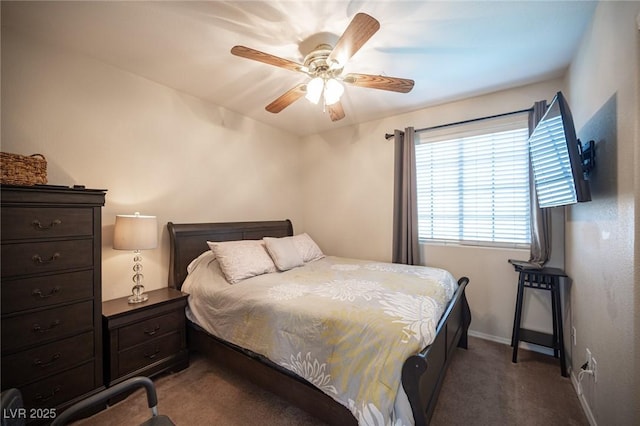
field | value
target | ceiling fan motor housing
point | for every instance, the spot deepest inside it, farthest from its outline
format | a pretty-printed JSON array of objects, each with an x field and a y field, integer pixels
[{"x": 317, "y": 63}]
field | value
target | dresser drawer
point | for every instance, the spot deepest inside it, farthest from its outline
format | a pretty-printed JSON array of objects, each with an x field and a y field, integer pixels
[
  {"x": 147, "y": 353},
  {"x": 33, "y": 258},
  {"x": 29, "y": 293},
  {"x": 146, "y": 330},
  {"x": 39, "y": 327},
  {"x": 62, "y": 387},
  {"x": 32, "y": 222},
  {"x": 27, "y": 366}
]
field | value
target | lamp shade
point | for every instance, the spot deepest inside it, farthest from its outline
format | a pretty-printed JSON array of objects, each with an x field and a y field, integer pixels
[{"x": 135, "y": 232}]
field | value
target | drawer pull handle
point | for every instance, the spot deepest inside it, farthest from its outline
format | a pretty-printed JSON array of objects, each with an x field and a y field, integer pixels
[
  {"x": 152, "y": 355},
  {"x": 36, "y": 258},
  {"x": 152, "y": 332},
  {"x": 38, "y": 293},
  {"x": 38, "y": 225},
  {"x": 38, "y": 363},
  {"x": 43, "y": 398},
  {"x": 38, "y": 329}
]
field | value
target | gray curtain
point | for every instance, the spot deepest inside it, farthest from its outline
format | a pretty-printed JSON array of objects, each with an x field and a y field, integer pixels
[
  {"x": 405, "y": 203},
  {"x": 540, "y": 218}
]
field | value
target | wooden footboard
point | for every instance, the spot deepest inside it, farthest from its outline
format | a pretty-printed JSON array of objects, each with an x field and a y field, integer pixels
[
  {"x": 423, "y": 373},
  {"x": 270, "y": 377}
]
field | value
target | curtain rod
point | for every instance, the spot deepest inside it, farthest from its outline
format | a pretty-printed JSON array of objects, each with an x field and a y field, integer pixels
[{"x": 390, "y": 135}]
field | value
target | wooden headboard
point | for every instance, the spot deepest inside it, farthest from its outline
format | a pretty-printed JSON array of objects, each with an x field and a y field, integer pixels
[{"x": 189, "y": 240}]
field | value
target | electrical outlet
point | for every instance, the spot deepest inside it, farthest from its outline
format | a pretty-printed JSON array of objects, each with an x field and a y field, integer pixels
[
  {"x": 573, "y": 336},
  {"x": 594, "y": 368},
  {"x": 588, "y": 359}
]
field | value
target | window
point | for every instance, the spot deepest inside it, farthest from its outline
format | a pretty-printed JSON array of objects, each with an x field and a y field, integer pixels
[{"x": 473, "y": 183}]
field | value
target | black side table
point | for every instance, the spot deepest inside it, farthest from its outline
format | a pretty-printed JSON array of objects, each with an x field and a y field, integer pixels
[{"x": 541, "y": 279}]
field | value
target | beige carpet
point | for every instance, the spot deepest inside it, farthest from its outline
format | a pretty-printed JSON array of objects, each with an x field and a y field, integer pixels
[{"x": 482, "y": 387}]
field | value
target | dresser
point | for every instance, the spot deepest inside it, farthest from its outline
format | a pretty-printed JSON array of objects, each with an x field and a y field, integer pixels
[
  {"x": 51, "y": 294},
  {"x": 145, "y": 338}
]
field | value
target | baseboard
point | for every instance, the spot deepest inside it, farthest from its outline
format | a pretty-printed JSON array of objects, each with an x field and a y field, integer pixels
[
  {"x": 546, "y": 351},
  {"x": 583, "y": 401},
  {"x": 524, "y": 345}
]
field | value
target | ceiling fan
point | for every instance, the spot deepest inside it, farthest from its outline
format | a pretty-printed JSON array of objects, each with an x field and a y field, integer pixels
[{"x": 324, "y": 64}]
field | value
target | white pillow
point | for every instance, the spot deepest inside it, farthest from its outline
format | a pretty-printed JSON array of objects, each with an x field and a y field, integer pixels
[
  {"x": 242, "y": 259},
  {"x": 284, "y": 252},
  {"x": 205, "y": 277},
  {"x": 206, "y": 256},
  {"x": 308, "y": 248}
]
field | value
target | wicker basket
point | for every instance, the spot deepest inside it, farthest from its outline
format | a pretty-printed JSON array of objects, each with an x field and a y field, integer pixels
[{"x": 23, "y": 170}]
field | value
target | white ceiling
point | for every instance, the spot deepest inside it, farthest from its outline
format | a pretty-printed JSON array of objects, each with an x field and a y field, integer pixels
[{"x": 452, "y": 49}]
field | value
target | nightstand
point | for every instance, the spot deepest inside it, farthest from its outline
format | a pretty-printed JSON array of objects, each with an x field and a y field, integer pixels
[{"x": 145, "y": 338}]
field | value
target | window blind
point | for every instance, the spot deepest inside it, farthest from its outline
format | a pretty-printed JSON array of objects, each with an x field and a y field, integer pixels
[
  {"x": 552, "y": 170},
  {"x": 473, "y": 184}
]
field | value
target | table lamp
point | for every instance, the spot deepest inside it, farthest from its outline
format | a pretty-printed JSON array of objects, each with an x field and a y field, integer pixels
[{"x": 136, "y": 232}]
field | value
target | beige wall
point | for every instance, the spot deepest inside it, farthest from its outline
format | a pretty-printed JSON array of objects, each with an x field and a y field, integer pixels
[
  {"x": 155, "y": 150},
  {"x": 604, "y": 94},
  {"x": 348, "y": 207}
]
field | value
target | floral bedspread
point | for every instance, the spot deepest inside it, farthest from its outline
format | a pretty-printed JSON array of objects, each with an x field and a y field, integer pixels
[{"x": 344, "y": 325}]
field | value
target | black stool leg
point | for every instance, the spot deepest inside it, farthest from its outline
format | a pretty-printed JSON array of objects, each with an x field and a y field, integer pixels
[
  {"x": 515, "y": 335},
  {"x": 558, "y": 313},
  {"x": 554, "y": 316}
]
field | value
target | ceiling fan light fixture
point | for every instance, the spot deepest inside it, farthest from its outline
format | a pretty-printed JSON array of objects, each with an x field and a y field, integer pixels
[
  {"x": 333, "y": 90},
  {"x": 314, "y": 90}
]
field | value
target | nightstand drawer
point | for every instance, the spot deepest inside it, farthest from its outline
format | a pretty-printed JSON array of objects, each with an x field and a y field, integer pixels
[
  {"x": 149, "y": 353},
  {"x": 38, "y": 222},
  {"x": 34, "y": 258},
  {"x": 39, "y": 327},
  {"x": 146, "y": 330},
  {"x": 38, "y": 292},
  {"x": 29, "y": 365},
  {"x": 59, "y": 388}
]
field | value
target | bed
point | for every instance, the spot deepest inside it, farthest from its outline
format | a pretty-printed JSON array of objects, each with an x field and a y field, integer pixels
[{"x": 421, "y": 373}]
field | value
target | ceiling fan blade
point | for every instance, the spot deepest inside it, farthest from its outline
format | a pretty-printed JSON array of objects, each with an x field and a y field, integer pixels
[
  {"x": 256, "y": 55},
  {"x": 360, "y": 29},
  {"x": 394, "y": 84},
  {"x": 336, "y": 112},
  {"x": 287, "y": 99}
]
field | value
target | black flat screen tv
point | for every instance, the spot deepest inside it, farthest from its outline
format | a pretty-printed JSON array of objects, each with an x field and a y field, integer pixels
[{"x": 560, "y": 169}]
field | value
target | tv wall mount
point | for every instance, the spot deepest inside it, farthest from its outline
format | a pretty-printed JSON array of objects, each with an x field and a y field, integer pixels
[{"x": 588, "y": 157}]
